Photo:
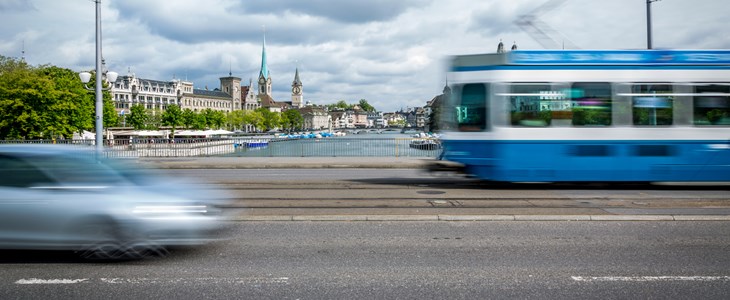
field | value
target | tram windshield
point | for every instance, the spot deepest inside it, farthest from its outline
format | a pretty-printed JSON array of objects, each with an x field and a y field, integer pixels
[{"x": 471, "y": 108}]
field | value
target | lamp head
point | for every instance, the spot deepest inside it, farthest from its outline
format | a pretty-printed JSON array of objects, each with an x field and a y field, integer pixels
[
  {"x": 85, "y": 77},
  {"x": 112, "y": 76}
]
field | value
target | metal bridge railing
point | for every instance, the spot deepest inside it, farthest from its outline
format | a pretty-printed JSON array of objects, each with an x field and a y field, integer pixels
[{"x": 256, "y": 147}]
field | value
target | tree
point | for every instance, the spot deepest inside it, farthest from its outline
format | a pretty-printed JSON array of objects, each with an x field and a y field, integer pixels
[
  {"x": 138, "y": 117},
  {"x": 111, "y": 117},
  {"x": 340, "y": 105},
  {"x": 271, "y": 120},
  {"x": 217, "y": 119},
  {"x": 172, "y": 117},
  {"x": 70, "y": 107},
  {"x": 154, "y": 119},
  {"x": 254, "y": 118},
  {"x": 199, "y": 121},
  {"x": 213, "y": 118},
  {"x": 234, "y": 120},
  {"x": 187, "y": 118},
  {"x": 42, "y": 102},
  {"x": 292, "y": 119},
  {"x": 21, "y": 102},
  {"x": 366, "y": 106}
]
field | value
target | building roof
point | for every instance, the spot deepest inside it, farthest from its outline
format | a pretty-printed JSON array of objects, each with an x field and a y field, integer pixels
[
  {"x": 312, "y": 110},
  {"x": 267, "y": 101},
  {"x": 142, "y": 81},
  {"x": 214, "y": 93},
  {"x": 337, "y": 114}
]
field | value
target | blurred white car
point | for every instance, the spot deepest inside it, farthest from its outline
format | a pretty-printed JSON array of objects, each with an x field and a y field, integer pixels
[{"x": 56, "y": 198}]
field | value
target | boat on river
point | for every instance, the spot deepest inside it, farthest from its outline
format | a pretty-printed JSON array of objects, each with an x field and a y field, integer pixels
[
  {"x": 252, "y": 144},
  {"x": 425, "y": 144}
]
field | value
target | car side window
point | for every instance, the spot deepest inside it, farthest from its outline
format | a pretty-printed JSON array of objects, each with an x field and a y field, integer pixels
[{"x": 18, "y": 173}]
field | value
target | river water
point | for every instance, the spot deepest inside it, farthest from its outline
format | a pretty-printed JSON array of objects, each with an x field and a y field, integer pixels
[{"x": 367, "y": 144}]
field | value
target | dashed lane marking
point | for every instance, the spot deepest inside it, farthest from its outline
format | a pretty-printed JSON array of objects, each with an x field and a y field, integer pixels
[
  {"x": 211, "y": 280},
  {"x": 649, "y": 278}
]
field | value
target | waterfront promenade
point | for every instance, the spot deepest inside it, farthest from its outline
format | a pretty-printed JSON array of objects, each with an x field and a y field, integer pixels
[{"x": 286, "y": 162}]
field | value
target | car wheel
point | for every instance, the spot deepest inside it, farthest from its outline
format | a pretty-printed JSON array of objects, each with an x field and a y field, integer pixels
[{"x": 109, "y": 241}]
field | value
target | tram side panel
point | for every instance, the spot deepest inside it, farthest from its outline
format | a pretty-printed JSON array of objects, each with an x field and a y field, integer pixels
[{"x": 669, "y": 147}]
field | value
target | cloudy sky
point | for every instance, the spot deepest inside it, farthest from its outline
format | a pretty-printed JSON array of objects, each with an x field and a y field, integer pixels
[{"x": 390, "y": 52}]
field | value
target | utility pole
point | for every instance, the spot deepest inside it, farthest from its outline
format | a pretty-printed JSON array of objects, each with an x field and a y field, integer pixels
[{"x": 648, "y": 23}]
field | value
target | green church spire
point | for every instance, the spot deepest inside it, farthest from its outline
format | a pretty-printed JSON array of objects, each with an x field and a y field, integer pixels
[{"x": 264, "y": 68}]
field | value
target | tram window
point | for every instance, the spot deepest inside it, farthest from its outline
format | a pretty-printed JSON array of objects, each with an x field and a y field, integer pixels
[
  {"x": 591, "y": 103},
  {"x": 712, "y": 109},
  {"x": 650, "y": 107},
  {"x": 471, "y": 112},
  {"x": 532, "y": 104}
]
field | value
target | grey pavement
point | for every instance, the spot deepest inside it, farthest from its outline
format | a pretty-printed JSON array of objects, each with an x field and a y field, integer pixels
[
  {"x": 681, "y": 210},
  {"x": 286, "y": 162}
]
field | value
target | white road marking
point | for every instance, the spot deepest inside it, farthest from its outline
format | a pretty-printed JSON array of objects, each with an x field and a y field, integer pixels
[
  {"x": 213, "y": 280},
  {"x": 649, "y": 278},
  {"x": 50, "y": 281}
]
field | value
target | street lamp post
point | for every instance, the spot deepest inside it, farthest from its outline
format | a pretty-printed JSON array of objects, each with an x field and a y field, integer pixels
[
  {"x": 648, "y": 23},
  {"x": 86, "y": 76}
]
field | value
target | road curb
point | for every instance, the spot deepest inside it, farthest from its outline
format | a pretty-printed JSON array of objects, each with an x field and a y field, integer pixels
[{"x": 486, "y": 218}]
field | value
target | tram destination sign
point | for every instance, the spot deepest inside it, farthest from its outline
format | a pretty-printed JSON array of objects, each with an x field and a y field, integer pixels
[{"x": 625, "y": 57}]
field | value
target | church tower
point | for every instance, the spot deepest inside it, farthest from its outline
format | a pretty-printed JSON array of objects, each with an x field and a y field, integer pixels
[
  {"x": 264, "y": 75},
  {"x": 232, "y": 86},
  {"x": 296, "y": 91}
]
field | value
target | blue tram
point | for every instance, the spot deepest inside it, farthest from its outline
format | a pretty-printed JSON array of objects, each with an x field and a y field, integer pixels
[{"x": 586, "y": 115}]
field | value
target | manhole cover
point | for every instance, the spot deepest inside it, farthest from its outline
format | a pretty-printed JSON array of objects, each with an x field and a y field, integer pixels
[{"x": 431, "y": 192}]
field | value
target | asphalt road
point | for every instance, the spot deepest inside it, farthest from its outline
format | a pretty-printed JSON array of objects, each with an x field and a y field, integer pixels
[{"x": 404, "y": 260}]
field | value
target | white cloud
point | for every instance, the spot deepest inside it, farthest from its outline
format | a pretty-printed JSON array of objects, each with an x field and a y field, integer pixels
[{"x": 388, "y": 52}]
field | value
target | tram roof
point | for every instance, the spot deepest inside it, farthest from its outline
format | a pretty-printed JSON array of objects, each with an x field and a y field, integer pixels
[{"x": 593, "y": 57}]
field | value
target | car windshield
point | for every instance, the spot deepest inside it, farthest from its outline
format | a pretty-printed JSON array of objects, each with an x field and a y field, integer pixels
[{"x": 75, "y": 170}]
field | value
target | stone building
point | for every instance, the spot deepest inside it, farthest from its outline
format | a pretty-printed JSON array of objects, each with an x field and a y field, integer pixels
[
  {"x": 315, "y": 117},
  {"x": 157, "y": 95}
]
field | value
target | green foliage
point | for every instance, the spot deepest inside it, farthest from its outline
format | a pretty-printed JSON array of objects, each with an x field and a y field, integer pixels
[
  {"x": 342, "y": 105},
  {"x": 234, "y": 120},
  {"x": 42, "y": 102},
  {"x": 215, "y": 118},
  {"x": 591, "y": 116},
  {"x": 397, "y": 123},
  {"x": 366, "y": 106},
  {"x": 199, "y": 121},
  {"x": 154, "y": 119},
  {"x": 652, "y": 116},
  {"x": 255, "y": 118},
  {"x": 292, "y": 120},
  {"x": 137, "y": 117},
  {"x": 271, "y": 120},
  {"x": 187, "y": 118},
  {"x": 172, "y": 117},
  {"x": 715, "y": 116}
]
